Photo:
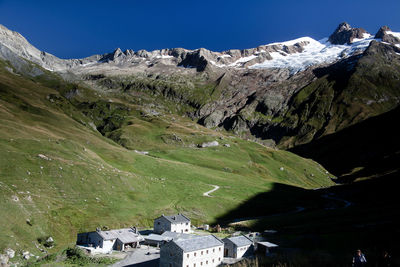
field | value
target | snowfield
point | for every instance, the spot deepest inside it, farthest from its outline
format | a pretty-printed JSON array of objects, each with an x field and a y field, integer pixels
[{"x": 315, "y": 53}]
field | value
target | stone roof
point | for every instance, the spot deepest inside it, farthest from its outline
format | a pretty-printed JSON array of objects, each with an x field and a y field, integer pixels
[
  {"x": 155, "y": 237},
  {"x": 239, "y": 241},
  {"x": 177, "y": 236},
  {"x": 198, "y": 243},
  {"x": 178, "y": 218},
  {"x": 268, "y": 244},
  {"x": 125, "y": 235}
]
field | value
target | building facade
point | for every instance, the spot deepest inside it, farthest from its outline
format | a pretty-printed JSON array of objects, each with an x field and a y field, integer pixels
[
  {"x": 175, "y": 223},
  {"x": 238, "y": 247},
  {"x": 107, "y": 241},
  {"x": 194, "y": 252}
]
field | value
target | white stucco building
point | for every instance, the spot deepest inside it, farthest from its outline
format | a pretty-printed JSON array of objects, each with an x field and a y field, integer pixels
[
  {"x": 238, "y": 247},
  {"x": 107, "y": 241},
  {"x": 175, "y": 223},
  {"x": 206, "y": 251}
]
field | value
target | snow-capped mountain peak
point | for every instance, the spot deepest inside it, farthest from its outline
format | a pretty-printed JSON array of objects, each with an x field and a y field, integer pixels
[{"x": 295, "y": 55}]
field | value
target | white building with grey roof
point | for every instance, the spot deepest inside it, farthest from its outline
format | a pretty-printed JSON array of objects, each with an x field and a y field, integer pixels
[
  {"x": 238, "y": 247},
  {"x": 175, "y": 223},
  {"x": 200, "y": 251},
  {"x": 107, "y": 241}
]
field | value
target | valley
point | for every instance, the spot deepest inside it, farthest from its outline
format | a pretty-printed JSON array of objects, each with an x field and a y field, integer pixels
[{"x": 298, "y": 137}]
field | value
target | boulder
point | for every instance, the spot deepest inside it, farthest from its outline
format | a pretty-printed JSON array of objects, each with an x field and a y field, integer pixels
[
  {"x": 10, "y": 253},
  {"x": 209, "y": 144},
  {"x": 43, "y": 157},
  {"x": 3, "y": 260},
  {"x": 26, "y": 255}
]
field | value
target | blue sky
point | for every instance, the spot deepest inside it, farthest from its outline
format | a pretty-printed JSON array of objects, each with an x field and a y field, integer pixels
[{"x": 74, "y": 29}]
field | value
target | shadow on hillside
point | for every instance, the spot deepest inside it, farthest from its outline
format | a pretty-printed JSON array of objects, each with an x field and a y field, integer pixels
[
  {"x": 368, "y": 148},
  {"x": 327, "y": 226},
  {"x": 280, "y": 199}
]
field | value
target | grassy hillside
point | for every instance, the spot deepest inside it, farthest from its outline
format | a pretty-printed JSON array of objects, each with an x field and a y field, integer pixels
[{"x": 68, "y": 163}]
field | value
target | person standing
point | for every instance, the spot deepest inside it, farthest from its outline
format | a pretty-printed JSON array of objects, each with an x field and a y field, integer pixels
[{"x": 359, "y": 259}]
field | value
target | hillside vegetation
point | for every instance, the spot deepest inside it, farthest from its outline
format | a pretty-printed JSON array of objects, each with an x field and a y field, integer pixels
[{"x": 72, "y": 159}]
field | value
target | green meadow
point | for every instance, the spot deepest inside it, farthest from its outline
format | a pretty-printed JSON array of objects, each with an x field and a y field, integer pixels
[{"x": 59, "y": 175}]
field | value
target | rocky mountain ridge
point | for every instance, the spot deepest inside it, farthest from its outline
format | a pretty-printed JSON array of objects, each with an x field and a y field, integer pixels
[
  {"x": 261, "y": 92},
  {"x": 266, "y": 56}
]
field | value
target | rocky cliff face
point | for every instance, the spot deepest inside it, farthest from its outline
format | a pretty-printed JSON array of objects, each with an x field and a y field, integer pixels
[
  {"x": 290, "y": 92},
  {"x": 345, "y": 34},
  {"x": 386, "y": 34}
]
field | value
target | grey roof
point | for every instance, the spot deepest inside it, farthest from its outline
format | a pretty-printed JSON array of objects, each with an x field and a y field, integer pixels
[
  {"x": 177, "y": 236},
  {"x": 268, "y": 244},
  {"x": 178, "y": 218},
  {"x": 155, "y": 237},
  {"x": 197, "y": 243},
  {"x": 240, "y": 241},
  {"x": 125, "y": 235}
]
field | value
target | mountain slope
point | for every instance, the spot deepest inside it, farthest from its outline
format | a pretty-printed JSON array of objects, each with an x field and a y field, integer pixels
[
  {"x": 113, "y": 140},
  {"x": 60, "y": 174}
]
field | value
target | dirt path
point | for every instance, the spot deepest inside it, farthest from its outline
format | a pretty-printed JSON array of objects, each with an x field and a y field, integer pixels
[
  {"x": 332, "y": 197},
  {"x": 207, "y": 194}
]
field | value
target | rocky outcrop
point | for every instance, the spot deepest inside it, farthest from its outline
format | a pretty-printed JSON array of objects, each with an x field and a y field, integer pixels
[
  {"x": 385, "y": 33},
  {"x": 209, "y": 144},
  {"x": 345, "y": 34},
  {"x": 198, "y": 59},
  {"x": 224, "y": 89},
  {"x": 129, "y": 61},
  {"x": 4, "y": 260}
]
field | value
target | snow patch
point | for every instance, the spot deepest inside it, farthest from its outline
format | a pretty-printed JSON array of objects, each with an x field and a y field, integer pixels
[
  {"x": 294, "y": 41},
  {"x": 315, "y": 52},
  {"x": 242, "y": 60},
  {"x": 395, "y": 34},
  {"x": 365, "y": 36},
  {"x": 164, "y": 56}
]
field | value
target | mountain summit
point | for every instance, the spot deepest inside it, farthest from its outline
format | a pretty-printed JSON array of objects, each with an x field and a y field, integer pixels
[{"x": 345, "y": 34}]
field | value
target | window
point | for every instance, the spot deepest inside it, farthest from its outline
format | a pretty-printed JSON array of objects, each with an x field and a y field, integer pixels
[
  {"x": 206, "y": 262},
  {"x": 187, "y": 223},
  {"x": 194, "y": 264},
  {"x": 213, "y": 249},
  {"x": 158, "y": 223},
  {"x": 201, "y": 252},
  {"x": 219, "y": 259},
  {"x": 201, "y": 263},
  {"x": 219, "y": 248},
  {"x": 195, "y": 256},
  {"x": 207, "y": 251},
  {"x": 188, "y": 255},
  {"x": 213, "y": 260},
  {"x": 187, "y": 265}
]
